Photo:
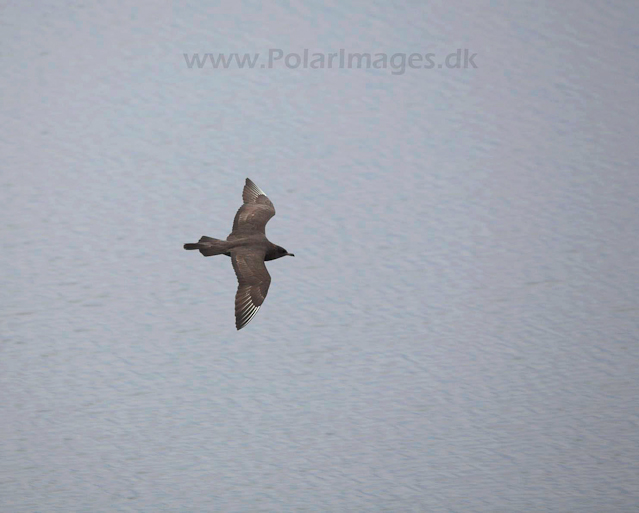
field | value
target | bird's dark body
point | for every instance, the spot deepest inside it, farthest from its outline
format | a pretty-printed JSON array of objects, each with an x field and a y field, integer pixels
[
  {"x": 256, "y": 241},
  {"x": 271, "y": 251},
  {"x": 248, "y": 248}
]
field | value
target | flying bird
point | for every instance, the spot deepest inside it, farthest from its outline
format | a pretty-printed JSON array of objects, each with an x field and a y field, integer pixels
[{"x": 248, "y": 248}]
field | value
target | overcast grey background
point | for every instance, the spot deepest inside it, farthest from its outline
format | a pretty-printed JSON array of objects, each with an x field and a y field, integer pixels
[{"x": 458, "y": 330}]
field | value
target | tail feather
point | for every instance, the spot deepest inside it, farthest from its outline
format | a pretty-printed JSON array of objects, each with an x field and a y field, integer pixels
[{"x": 209, "y": 246}]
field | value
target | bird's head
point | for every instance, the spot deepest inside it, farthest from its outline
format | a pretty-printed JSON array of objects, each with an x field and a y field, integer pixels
[{"x": 281, "y": 252}]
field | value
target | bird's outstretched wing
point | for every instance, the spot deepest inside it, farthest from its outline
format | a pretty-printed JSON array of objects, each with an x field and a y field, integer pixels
[
  {"x": 255, "y": 213},
  {"x": 254, "y": 281}
]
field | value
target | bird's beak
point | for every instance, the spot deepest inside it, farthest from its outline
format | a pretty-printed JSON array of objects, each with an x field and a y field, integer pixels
[{"x": 290, "y": 254}]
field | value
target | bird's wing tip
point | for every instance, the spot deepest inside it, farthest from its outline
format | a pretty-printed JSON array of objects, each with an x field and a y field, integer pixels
[
  {"x": 247, "y": 316},
  {"x": 251, "y": 191}
]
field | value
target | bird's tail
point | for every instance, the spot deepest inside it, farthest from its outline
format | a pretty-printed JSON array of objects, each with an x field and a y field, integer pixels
[{"x": 209, "y": 246}]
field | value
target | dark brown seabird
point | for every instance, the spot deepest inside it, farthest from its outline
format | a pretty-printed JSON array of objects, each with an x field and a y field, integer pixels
[{"x": 248, "y": 248}]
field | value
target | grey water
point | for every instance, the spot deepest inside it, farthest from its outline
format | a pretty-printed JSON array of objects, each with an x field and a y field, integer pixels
[{"x": 459, "y": 328}]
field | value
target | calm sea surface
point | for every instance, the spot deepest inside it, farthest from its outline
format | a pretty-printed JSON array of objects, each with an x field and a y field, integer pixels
[{"x": 459, "y": 330}]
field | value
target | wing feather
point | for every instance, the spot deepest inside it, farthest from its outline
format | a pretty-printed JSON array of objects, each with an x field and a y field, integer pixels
[
  {"x": 253, "y": 283},
  {"x": 254, "y": 213}
]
